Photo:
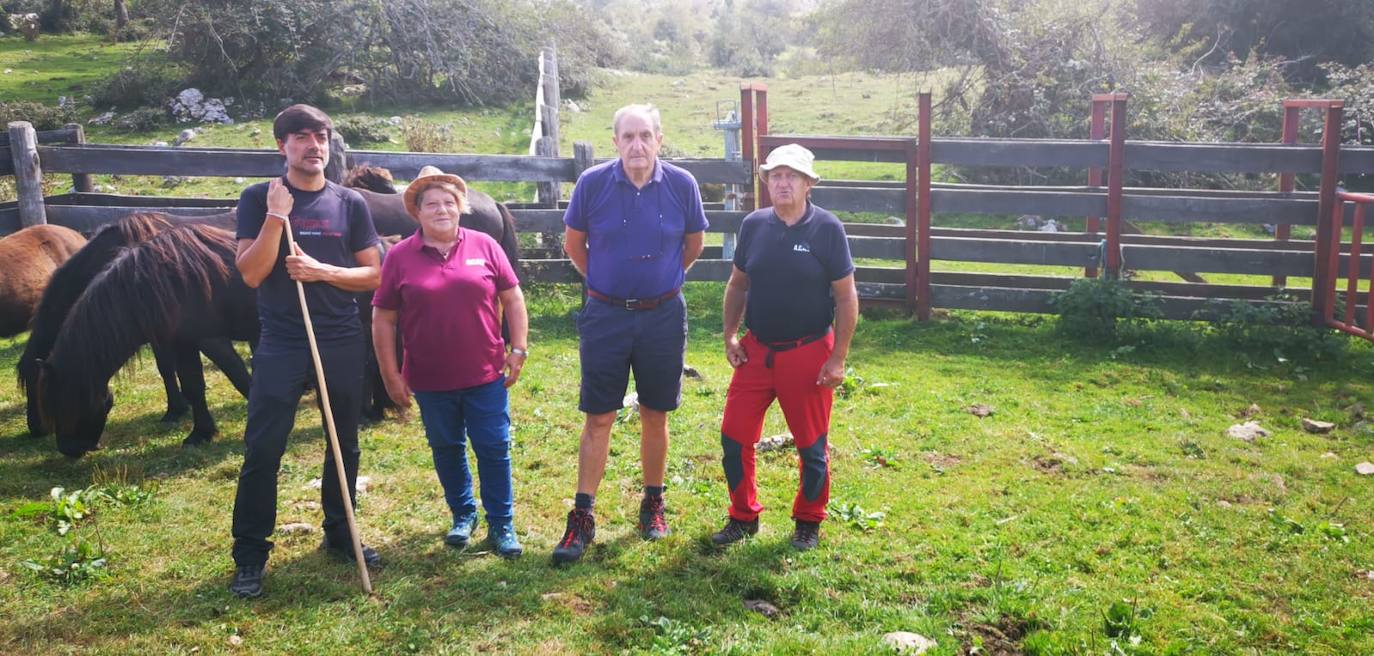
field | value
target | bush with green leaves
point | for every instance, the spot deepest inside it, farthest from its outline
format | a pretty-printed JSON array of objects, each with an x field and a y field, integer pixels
[
  {"x": 1354, "y": 85},
  {"x": 65, "y": 509},
  {"x": 139, "y": 84},
  {"x": 360, "y": 130},
  {"x": 1096, "y": 308},
  {"x": 675, "y": 637},
  {"x": 75, "y": 563},
  {"x": 1283, "y": 326},
  {"x": 472, "y": 52},
  {"x": 143, "y": 119},
  {"x": 43, "y": 117},
  {"x": 421, "y": 136}
]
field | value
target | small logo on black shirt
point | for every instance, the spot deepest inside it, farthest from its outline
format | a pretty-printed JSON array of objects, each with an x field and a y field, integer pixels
[{"x": 801, "y": 248}]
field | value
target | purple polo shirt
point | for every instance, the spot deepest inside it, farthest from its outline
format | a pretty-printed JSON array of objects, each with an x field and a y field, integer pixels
[
  {"x": 634, "y": 236},
  {"x": 447, "y": 309}
]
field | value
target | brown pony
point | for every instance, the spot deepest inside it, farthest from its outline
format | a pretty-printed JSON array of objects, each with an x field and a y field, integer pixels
[{"x": 30, "y": 256}]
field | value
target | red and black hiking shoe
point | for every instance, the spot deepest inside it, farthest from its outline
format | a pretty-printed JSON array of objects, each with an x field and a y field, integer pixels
[
  {"x": 652, "y": 525},
  {"x": 580, "y": 533}
]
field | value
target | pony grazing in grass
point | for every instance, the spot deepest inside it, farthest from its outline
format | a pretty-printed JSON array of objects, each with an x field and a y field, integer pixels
[
  {"x": 177, "y": 288},
  {"x": 70, "y": 280},
  {"x": 30, "y": 257}
]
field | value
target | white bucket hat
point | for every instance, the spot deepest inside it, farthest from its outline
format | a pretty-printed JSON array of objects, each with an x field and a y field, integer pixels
[{"x": 794, "y": 157}]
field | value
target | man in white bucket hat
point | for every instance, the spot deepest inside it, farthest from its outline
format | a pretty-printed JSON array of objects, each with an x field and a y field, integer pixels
[{"x": 793, "y": 286}]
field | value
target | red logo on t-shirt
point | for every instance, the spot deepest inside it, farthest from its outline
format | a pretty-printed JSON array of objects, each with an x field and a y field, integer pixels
[{"x": 307, "y": 227}]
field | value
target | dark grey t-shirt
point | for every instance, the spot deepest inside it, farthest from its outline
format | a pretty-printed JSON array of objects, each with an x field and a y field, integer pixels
[
  {"x": 790, "y": 270},
  {"x": 330, "y": 225}
]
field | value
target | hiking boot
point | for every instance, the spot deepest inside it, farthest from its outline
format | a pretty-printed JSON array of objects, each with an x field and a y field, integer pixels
[
  {"x": 580, "y": 533},
  {"x": 652, "y": 525},
  {"x": 806, "y": 536},
  {"x": 501, "y": 538},
  {"x": 461, "y": 533},
  {"x": 247, "y": 583},
  {"x": 734, "y": 531},
  {"x": 343, "y": 550}
]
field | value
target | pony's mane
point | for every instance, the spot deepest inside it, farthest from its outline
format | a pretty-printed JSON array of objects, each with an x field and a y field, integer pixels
[
  {"x": 371, "y": 178},
  {"x": 71, "y": 279},
  {"x": 138, "y": 298}
]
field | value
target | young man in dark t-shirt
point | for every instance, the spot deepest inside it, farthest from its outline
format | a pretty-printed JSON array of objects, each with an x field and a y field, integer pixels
[
  {"x": 336, "y": 256},
  {"x": 792, "y": 279}
]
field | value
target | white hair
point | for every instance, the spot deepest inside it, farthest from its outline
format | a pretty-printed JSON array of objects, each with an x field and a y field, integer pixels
[{"x": 648, "y": 110}]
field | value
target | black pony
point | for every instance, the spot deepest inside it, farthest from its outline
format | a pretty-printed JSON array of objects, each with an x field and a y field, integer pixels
[
  {"x": 390, "y": 217},
  {"x": 178, "y": 287},
  {"x": 68, "y": 283}
]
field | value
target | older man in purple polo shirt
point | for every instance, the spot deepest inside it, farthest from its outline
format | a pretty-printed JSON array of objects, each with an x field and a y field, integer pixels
[{"x": 633, "y": 228}]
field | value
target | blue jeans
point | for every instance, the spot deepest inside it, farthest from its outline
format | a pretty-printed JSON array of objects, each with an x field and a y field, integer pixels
[{"x": 481, "y": 413}]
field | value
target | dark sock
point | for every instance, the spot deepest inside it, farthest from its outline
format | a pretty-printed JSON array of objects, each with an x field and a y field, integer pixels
[
  {"x": 652, "y": 491},
  {"x": 583, "y": 501}
]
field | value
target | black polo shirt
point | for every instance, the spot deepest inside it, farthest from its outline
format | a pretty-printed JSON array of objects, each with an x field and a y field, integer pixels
[{"x": 790, "y": 271}]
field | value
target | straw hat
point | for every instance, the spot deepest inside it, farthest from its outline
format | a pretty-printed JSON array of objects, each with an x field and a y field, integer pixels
[
  {"x": 431, "y": 174},
  {"x": 794, "y": 157}
]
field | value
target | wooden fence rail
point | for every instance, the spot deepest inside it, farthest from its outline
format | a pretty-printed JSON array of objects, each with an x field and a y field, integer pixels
[{"x": 912, "y": 241}]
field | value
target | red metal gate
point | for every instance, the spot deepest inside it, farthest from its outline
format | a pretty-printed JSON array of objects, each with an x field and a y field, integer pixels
[{"x": 1349, "y": 316}]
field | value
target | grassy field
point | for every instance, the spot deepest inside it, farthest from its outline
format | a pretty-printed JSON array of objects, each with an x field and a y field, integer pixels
[
  {"x": 1100, "y": 509},
  {"x": 1103, "y": 478},
  {"x": 57, "y": 65}
]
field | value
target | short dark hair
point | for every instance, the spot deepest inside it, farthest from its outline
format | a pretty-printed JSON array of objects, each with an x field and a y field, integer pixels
[{"x": 301, "y": 117}]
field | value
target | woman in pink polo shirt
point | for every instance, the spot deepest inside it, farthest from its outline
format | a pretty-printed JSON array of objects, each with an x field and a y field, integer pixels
[{"x": 444, "y": 287}]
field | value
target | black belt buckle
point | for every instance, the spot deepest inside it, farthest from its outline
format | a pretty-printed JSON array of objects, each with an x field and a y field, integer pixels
[{"x": 631, "y": 303}]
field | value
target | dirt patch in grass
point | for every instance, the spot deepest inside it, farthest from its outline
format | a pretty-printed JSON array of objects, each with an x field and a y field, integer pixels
[
  {"x": 573, "y": 602},
  {"x": 1001, "y": 638},
  {"x": 1051, "y": 465},
  {"x": 941, "y": 461}
]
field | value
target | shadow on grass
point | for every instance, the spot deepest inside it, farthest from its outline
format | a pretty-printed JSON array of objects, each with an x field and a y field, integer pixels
[
  {"x": 30, "y": 466},
  {"x": 421, "y": 578}
]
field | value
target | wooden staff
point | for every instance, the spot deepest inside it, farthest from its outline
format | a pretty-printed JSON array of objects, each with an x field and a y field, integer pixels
[{"x": 329, "y": 428}]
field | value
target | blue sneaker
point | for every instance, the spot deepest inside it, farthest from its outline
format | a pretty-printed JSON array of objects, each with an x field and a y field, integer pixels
[
  {"x": 461, "y": 533},
  {"x": 501, "y": 538}
]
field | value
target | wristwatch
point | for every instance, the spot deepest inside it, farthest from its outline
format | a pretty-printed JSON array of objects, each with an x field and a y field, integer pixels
[{"x": 520, "y": 352}]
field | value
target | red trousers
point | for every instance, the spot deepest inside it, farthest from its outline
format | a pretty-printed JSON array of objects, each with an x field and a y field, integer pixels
[{"x": 805, "y": 405}]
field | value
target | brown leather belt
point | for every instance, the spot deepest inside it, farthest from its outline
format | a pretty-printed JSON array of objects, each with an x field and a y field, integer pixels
[
  {"x": 779, "y": 347},
  {"x": 633, "y": 303}
]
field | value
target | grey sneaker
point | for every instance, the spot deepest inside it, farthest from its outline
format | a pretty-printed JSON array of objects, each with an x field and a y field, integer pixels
[
  {"x": 806, "y": 536},
  {"x": 461, "y": 533},
  {"x": 342, "y": 549},
  {"x": 247, "y": 583},
  {"x": 734, "y": 531}
]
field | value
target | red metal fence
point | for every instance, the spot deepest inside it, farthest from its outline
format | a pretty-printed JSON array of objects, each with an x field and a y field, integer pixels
[{"x": 1347, "y": 316}]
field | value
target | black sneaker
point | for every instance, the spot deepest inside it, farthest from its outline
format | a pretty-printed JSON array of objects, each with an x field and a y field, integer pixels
[
  {"x": 344, "y": 551},
  {"x": 652, "y": 525},
  {"x": 806, "y": 536},
  {"x": 247, "y": 583},
  {"x": 580, "y": 533},
  {"x": 734, "y": 531}
]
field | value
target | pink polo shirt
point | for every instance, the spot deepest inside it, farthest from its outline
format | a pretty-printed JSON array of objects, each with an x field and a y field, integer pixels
[{"x": 447, "y": 310}]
